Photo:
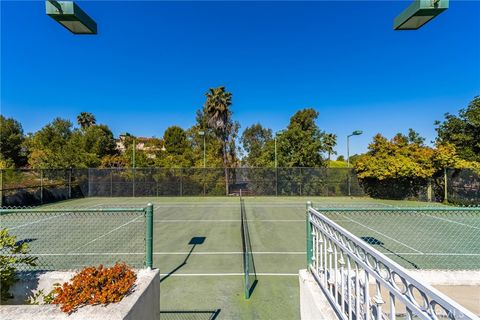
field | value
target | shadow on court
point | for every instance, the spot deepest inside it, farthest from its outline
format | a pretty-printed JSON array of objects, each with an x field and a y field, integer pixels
[
  {"x": 193, "y": 242},
  {"x": 189, "y": 315},
  {"x": 375, "y": 242}
]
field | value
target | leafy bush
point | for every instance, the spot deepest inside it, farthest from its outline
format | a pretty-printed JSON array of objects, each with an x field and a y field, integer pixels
[
  {"x": 93, "y": 286},
  {"x": 11, "y": 256}
]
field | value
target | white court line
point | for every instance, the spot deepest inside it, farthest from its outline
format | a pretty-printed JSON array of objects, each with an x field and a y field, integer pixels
[
  {"x": 384, "y": 235},
  {"x": 231, "y": 220},
  {"x": 231, "y": 253},
  {"x": 225, "y": 274},
  {"x": 38, "y": 221},
  {"x": 96, "y": 205},
  {"x": 448, "y": 220},
  {"x": 302, "y": 205},
  {"x": 104, "y": 235}
]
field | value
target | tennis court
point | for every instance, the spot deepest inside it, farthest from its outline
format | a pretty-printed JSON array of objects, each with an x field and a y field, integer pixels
[{"x": 198, "y": 246}]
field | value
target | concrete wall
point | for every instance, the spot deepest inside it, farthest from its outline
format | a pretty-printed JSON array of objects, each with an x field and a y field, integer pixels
[
  {"x": 142, "y": 303},
  {"x": 313, "y": 303}
]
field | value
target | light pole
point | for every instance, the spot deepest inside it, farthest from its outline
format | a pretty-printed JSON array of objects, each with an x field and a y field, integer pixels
[
  {"x": 354, "y": 133},
  {"x": 202, "y": 133},
  {"x": 133, "y": 152},
  {"x": 276, "y": 164}
]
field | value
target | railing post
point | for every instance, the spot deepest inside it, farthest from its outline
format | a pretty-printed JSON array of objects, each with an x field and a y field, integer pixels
[
  {"x": 149, "y": 236},
  {"x": 309, "y": 235}
]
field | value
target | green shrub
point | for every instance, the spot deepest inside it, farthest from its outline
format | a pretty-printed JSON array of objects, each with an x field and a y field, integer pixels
[{"x": 11, "y": 255}]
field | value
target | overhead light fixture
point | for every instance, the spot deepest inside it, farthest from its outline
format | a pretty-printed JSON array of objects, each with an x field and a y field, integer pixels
[
  {"x": 69, "y": 15},
  {"x": 419, "y": 13}
]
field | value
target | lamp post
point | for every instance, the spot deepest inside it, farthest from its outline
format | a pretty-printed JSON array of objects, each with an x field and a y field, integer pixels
[
  {"x": 354, "y": 133},
  {"x": 70, "y": 16},
  {"x": 202, "y": 133},
  {"x": 133, "y": 152}
]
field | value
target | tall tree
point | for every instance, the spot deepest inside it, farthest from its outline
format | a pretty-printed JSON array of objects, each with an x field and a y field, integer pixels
[
  {"x": 257, "y": 142},
  {"x": 301, "y": 144},
  {"x": 86, "y": 119},
  {"x": 462, "y": 131},
  {"x": 219, "y": 118},
  {"x": 175, "y": 140},
  {"x": 59, "y": 145},
  {"x": 11, "y": 142}
]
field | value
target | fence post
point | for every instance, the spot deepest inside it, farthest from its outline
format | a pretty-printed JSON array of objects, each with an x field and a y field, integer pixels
[
  {"x": 276, "y": 181},
  {"x": 181, "y": 182},
  {"x": 70, "y": 183},
  {"x": 88, "y": 182},
  {"x": 133, "y": 182},
  {"x": 309, "y": 235},
  {"x": 203, "y": 178},
  {"x": 111, "y": 182},
  {"x": 429, "y": 190},
  {"x": 445, "y": 196},
  {"x": 41, "y": 186},
  {"x": 149, "y": 236},
  {"x": 1, "y": 188}
]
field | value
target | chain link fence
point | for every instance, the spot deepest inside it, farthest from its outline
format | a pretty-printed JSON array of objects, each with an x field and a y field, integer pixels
[
  {"x": 213, "y": 182},
  {"x": 29, "y": 187},
  {"x": 417, "y": 238},
  {"x": 20, "y": 187},
  {"x": 69, "y": 238}
]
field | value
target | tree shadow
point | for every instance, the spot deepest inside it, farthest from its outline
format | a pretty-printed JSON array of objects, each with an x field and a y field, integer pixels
[
  {"x": 193, "y": 242},
  {"x": 189, "y": 314},
  {"x": 375, "y": 242}
]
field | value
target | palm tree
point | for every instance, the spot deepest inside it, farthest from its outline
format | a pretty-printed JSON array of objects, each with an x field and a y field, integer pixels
[
  {"x": 86, "y": 119},
  {"x": 218, "y": 114},
  {"x": 330, "y": 141}
]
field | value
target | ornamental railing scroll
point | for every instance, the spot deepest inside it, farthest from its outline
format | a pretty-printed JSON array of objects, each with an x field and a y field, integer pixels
[{"x": 362, "y": 283}]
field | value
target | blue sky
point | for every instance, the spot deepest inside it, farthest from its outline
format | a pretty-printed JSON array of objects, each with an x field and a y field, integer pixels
[{"x": 152, "y": 62}]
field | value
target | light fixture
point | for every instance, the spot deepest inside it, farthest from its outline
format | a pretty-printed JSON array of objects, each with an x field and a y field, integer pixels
[
  {"x": 357, "y": 132},
  {"x": 419, "y": 13},
  {"x": 69, "y": 15}
]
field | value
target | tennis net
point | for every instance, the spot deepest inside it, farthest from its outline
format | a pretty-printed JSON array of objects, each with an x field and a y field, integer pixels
[{"x": 250, "y": 274}]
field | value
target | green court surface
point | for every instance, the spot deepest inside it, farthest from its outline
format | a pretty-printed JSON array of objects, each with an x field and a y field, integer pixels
[{"x": 204, "y": 279}]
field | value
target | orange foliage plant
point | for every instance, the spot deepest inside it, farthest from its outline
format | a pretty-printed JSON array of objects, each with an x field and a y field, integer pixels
[{"x": 95, "y": 286}]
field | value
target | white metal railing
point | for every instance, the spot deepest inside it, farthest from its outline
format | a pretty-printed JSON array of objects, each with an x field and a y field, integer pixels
[{"x": 362, "y": 283}]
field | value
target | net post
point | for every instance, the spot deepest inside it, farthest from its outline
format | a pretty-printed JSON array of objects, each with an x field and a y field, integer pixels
[
  {"x": 309, "y": 235},
  {"x": 149, "y": 236}
]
